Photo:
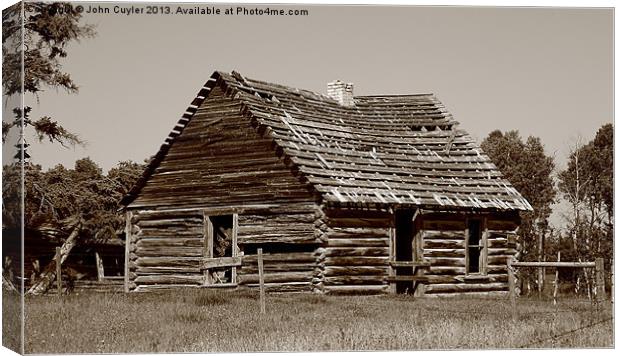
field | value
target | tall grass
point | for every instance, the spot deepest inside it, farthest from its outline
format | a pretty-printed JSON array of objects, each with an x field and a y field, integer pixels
[
  {"x": 223, "y": 321},
  {"x": 11, "y": 321}
]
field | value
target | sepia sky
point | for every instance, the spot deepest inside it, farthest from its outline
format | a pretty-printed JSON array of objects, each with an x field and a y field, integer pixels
[{"x": 546, "y": 72}]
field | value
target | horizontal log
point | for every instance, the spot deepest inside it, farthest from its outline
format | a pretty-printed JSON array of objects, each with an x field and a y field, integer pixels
[
  {"x": 407, "y": 278},
  {"x": 296, "y": 257},
  {"x": 221, "y": 262},
  {"x": 195, "y": 232},
  {"x": 444, "y": 252},
  {"x": 262, "y": 209},
  {"x": 275, "y": 267},
  {"x": 356, "y": 261},
  {"x": 502, "y": 225},
  {"x": 306, "y": 218},
  {"x": 450, "y": 244},
  {"x": 498, "y": 243},
  {"x": 89, "y": 283},
  {"x": 170, "y": 242},
  {"x": 169, "y": 261},
  {"x": 356, "y": 251},
  {"x": 300, "y": 238},
  {"x": 498, "y": 259},
  {"x": 444, "y": 279},
  {"x": 357, "y": 242},
  {"x": 443, "y": 225},
  {"x": 410, "y": 263},
  {"x": 354, "y": 270},
  {"x": 171, "y": 251},
  {"x": 495, "y": 269},
  {"x": 282, "y": 230},
  {"x": 282, "y": 277},
  {"x": 356, "y": 289},
  {"x": 202, "y": 198},
  {"x": 446, "y": 270},
  {"x": 285, "y": 287},
  {"x": 354, "y": 280},
  {"x": 165, "y": 287},
  {"x": 357, "y": 232},
  {"x": 180, "y": 222},
  {"x": 358, "y": 222},
  {"x": 139, "y": 215},
  {"x": 170, "y": 279},
  {"x": 443, "y": 235},
  {"x": 160, "y": 269},
  {"x": 501, "y": 251},
  {"x": 446, "y": 261},
  {"x": 345, "y": 214}
]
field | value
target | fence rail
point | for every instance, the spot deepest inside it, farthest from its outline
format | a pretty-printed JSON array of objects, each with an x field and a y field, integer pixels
[
  {"x": 597, "y": 265},
  {"x": 555, "y": 264}
]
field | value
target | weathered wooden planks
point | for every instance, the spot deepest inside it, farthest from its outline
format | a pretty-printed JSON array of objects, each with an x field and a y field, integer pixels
[
  {"x": 236, "y": 166},
  {"x": 356, "y": 253},
  {"x": 167, "y": 248}
]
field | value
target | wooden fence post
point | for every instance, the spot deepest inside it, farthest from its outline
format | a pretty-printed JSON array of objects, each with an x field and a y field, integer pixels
[
  {"x": 600, "y": 279},
  {"x": 556, "y": 282},
  {"x": 261, "y": 280},
  {"x": 58, "y": 271},
  {"x": 511, "y": 289}
]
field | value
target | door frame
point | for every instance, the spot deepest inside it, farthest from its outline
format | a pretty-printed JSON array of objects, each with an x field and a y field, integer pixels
[{"x": 209, "y": 262}]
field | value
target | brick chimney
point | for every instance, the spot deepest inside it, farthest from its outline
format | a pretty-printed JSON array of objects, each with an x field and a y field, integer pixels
[{"x": 341, "y": 92}]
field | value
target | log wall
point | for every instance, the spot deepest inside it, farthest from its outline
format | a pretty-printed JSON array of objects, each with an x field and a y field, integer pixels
[
  {"x": 167, "y": 247},
  {"x": 289, "y": 240},
  {"x": 444, "y": 243},
  {"x": 222, "y": 165},
  {"x": 355, "y": 252}
]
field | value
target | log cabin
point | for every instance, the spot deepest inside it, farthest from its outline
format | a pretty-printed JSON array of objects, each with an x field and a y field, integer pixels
[{"x": 343, "y": 194}]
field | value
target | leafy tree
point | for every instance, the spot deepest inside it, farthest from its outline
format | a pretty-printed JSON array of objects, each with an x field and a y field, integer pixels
[
  {"x": 526, "y": 166},
  {"x": 60, "y": 195},
  {"x": 47, "y": 29},
  {"x": 587, "y": 184}
]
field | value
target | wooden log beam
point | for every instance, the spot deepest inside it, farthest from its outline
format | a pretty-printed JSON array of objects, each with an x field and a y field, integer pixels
[
  {"x": 170, "y": 279},
  {"x": 280, "y": 277},
  {"x": 221, "y": 262},
  {"x": 357, "y": 289},
  {"x": 355, "y": 280}
]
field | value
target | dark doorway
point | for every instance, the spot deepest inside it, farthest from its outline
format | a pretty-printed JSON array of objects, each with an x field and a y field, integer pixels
[
  {"x": 403, "y": 247},
  {"x": 474, "y": 246}
]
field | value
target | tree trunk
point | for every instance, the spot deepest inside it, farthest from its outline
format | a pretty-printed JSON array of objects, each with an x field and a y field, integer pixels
[
  {"x": 49, "y": 273},
  {"x": 8, "y": 284}
]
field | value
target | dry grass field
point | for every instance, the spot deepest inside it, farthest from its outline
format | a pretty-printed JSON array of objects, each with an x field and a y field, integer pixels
[{"x": 221, "y": 321}]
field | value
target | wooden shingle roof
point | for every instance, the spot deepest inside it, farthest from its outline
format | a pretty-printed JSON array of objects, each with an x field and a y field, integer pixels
[{"x": 397, "y": 150}]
